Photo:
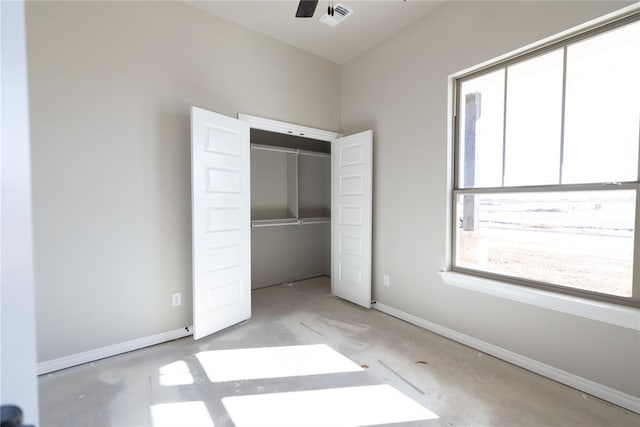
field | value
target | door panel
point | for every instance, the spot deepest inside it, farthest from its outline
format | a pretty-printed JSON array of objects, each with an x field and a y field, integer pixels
[
  {"x": 221, "y": 220},
  {"x": 351, "y": 207}
]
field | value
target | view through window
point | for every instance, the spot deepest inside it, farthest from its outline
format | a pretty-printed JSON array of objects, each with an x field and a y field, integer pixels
[{"x": 547, "y": 150}]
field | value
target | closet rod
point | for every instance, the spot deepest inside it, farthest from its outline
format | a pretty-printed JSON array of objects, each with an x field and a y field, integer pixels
[
  {"x": 274, "y": 223},
  {"x": 314, "y": 153},
  {"x": 271, "y": 148},
  {"x": 318, "y": 220},
  {"x": 300, "y": 221},
  {"x": 289, "y": 150}
]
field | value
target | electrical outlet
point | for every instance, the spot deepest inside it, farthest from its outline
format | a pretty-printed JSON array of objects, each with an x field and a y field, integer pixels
[
  {"x": 386, "y": 280},
  {"x": 176, "y": 299}
]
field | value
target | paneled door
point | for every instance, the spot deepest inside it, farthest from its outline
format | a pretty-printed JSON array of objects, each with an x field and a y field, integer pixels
[
  {"x": 221, "y": 221},
  {"x": 351, "y": 217}
]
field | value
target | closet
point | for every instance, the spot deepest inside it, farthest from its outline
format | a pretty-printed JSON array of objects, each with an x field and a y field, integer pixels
[
  {"x": 290, "y": 208},
  {"x": 273, "y": 202}
]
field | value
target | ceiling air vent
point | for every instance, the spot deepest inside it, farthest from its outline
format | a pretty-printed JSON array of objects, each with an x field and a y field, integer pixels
[{"x": 341, "y": 12}]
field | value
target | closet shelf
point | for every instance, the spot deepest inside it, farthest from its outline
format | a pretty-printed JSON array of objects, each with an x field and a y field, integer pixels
[
  {"x": 257, "y": 223},
  {"x": 314, "y": 153},
  {"x": 298, "y": 151},
  {"x": 316, "y": 220},
  {"x": 273, "y": 222},
  {"x": 273, "y": 148}
]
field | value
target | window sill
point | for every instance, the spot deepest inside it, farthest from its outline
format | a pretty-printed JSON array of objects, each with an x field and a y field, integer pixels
[{"x": 626, "y": 317}]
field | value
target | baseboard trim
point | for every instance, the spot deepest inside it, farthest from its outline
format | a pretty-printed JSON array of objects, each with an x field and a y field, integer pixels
[
  {"x": 111, "y": 350},
  {"x": 609, "y": 394}
]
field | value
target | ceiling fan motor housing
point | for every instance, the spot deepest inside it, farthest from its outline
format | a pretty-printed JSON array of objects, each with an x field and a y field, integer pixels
[{"x": 306, "y": 8}]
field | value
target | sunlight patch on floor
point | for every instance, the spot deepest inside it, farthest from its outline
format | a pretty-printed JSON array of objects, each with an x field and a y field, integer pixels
[
  {"x": 192, "y": 414},
  {"x": 274, "y": 362},
  {"x": 176, "y": 373},
  {"x": 348, "y": 406}
]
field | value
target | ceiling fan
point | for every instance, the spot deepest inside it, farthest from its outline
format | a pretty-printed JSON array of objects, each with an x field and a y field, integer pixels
[{"x": 306, "y": 8}]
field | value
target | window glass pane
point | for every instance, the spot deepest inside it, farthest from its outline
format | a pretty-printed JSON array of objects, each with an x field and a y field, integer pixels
[
  {"x": 602, "y": 113},
  {"x": 480, "y": 122},
  {"x": 534, "y": 108},
  {"x": 581, "y": 240}
]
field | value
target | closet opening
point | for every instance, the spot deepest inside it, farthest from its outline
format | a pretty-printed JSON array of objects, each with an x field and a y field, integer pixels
[
  {"x": 263, "y": 194},
  {"x": 290, "y": 208}
]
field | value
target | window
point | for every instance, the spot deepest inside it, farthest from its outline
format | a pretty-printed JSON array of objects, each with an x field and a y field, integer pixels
[{"x": 546, "y": 167}]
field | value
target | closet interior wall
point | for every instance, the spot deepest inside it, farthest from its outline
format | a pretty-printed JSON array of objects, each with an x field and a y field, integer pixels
[{"x": 290, "y": 208}]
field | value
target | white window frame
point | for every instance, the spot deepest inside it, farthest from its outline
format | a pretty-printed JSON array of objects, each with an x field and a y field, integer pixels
[{"x": 565, "y": 300}]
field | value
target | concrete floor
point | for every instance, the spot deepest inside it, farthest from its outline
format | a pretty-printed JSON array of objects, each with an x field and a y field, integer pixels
[{"x": 459, "y": 384}]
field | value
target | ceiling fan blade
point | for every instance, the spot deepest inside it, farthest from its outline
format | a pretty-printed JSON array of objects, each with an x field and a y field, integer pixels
[{"x": 306, "y": 8}]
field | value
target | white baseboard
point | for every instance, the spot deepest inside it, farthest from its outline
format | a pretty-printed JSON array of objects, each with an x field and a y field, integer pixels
[
  {"x": 111, "y": 350},
  {"x": 603, "y": 392}
]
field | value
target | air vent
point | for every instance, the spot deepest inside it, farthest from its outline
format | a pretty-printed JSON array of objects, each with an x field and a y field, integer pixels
[{"x": 341, "y": 12}]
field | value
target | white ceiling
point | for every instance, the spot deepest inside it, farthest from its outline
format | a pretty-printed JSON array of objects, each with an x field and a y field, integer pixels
[{"x": 371, "y": 22}]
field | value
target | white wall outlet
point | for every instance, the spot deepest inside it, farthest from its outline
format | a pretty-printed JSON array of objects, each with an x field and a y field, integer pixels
[
  {"x": 176, "y": 299},
  {"x": 386, "y": 280}
]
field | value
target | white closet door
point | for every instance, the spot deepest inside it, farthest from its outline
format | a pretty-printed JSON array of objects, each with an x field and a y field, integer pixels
[
  {"x": 221, "y": 221},
  {"x": 351, "y": 198}
]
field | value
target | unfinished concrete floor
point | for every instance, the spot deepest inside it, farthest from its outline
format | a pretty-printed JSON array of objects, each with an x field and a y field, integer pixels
[{"x": 168, "y": 384}]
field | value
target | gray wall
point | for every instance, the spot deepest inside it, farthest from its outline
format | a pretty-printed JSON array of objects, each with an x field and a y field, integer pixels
[
  {"x": 314, "y": 192},
  {"x": 288, "y": 253},
  {"x": 399, "y": 89},
  {"x": 111, "y": 85},
  {"x": 270, "y": 182}
]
